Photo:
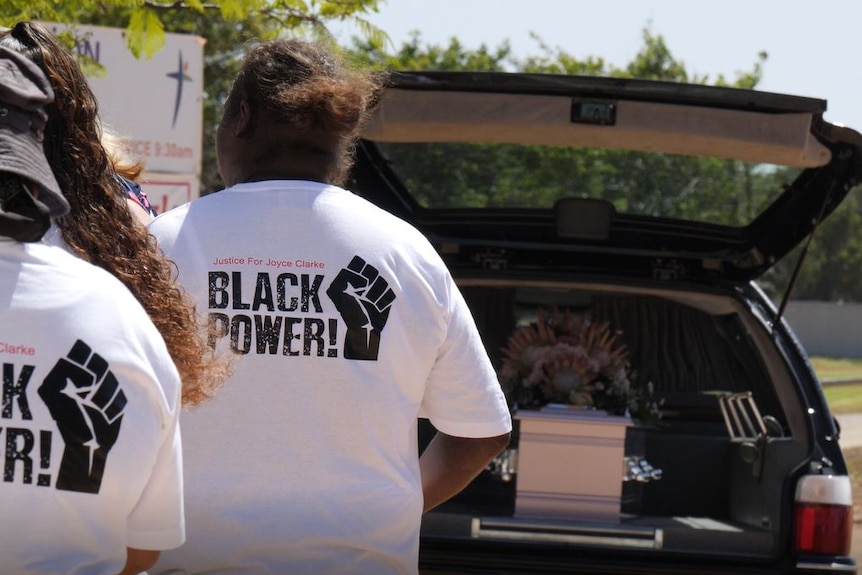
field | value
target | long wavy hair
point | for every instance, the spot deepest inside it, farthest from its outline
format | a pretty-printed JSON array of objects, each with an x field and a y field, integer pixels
[{"x": 99, "y": 227}]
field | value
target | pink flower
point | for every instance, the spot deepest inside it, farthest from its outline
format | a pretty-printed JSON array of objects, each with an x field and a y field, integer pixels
[{"x": 565, "y": 358}]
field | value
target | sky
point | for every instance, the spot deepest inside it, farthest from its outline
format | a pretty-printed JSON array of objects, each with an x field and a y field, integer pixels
[{"x": 814, "y": 47}]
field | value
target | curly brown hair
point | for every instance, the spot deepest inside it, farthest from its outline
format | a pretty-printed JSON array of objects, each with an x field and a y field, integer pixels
[
  {"x": 309, "y": 87},
  {"x": 99, "y": 227}
]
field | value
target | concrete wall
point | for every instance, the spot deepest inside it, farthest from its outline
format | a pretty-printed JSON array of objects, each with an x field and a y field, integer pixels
[{"x": 826, "y": 328}]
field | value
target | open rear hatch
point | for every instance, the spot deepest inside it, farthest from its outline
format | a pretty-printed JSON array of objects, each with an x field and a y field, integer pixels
[{"x": 591, "y": 180}]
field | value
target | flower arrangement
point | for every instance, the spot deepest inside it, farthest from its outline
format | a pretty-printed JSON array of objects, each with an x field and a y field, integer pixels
[{"x": 563, "y": 358}]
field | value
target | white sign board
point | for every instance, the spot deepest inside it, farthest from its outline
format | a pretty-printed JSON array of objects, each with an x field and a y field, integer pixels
[
  {"x": 167, "y": 191},
  {"x": 156, "y": 104}
]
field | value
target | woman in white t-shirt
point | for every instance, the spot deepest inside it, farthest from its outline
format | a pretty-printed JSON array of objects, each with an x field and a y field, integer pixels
[
  {"x": 92, "y": 474},
  {"x": 100, "y": 226},
  {"x": 346, "y": 327}
]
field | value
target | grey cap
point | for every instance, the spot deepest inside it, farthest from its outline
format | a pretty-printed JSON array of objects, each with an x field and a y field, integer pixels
[{"x": 24, "y": 93}]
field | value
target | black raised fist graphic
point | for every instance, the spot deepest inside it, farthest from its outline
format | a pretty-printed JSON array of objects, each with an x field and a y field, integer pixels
[
  {"x": 86, "y": 401},
  {"x": 363, "y": 298}
]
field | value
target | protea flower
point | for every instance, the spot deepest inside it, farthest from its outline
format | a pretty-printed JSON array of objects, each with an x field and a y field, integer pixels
[{"x": 565, "y": 358}]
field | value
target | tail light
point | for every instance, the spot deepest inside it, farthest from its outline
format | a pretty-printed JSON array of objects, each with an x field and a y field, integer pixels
[{"x": 823, "y": 515}]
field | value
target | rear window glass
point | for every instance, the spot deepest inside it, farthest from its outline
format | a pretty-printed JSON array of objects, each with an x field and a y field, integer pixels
[{"x": 477, "y": 176}]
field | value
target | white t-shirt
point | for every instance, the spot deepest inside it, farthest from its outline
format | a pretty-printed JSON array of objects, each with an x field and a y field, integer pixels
[
  {"x": 89, "y": 420},
  {"x": 346, "y": 327},
  {"x": 54, "y": 237}
]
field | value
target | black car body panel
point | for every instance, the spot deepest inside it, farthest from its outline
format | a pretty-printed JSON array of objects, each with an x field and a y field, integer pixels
[{"x": 681, "y": 291}]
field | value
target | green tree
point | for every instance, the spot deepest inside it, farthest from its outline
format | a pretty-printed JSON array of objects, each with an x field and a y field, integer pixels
[
  {"x": 451, "y": 175},
  {"x": 415, "y": 55},
  {"x": 494, "y": 175},
  {"x": 146, "y": 21},
  {"x": 714, "y": 190},
  {"x": 832, "y": 263},
  {"x": 227, "y": 25}
]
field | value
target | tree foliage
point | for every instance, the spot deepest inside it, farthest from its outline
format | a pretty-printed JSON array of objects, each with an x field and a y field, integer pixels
[
  {"x": 493, "y": 175},
  {"x": 832, "y": 263},
  {"x": 706, "y": 189},
  {"x": 227, "y": 25},
  {"x": 146, "y": 21}
]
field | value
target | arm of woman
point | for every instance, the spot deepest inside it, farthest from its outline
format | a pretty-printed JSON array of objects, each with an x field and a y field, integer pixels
[
  {"x": 450, "y": 463},
  {"x": 139, "y": 560},
  {"x": 140, "y": 214}
]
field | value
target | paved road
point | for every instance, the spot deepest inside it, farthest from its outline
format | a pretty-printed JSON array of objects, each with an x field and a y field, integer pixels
[{"x": 851, "y": 429}]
